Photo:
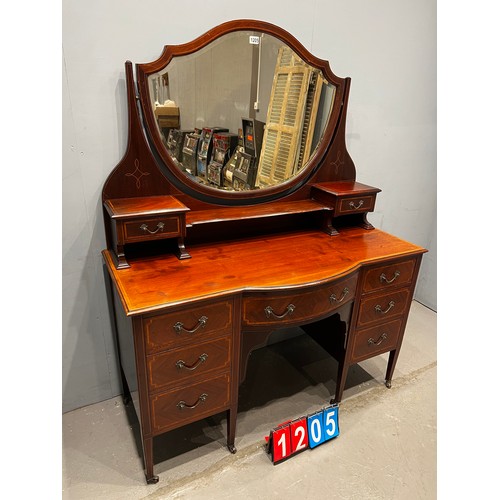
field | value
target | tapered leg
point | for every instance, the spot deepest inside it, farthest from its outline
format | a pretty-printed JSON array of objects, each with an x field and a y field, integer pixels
[
  {"x": 341, "y": 379},
  {"x": 127, "y": 398},
  {"x": 393, "y": 357},
  {"x": 147, "y": 445},
  {"x": 231, "y": 429}
]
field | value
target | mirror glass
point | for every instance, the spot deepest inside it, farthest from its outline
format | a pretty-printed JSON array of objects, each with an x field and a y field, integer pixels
[{"x": 243, "y": 113}]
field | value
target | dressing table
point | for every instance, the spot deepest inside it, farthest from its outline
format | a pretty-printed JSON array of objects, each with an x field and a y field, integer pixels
[{"x": 201, "y": 274}]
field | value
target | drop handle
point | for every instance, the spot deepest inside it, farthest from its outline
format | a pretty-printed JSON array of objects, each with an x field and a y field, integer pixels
[
  {"x": 270, "y": 312},
  {"x": 182, "y": 364},
  {"x": 378, "y": 341},
  {"x": 182, "y": 404},
  {"x": 378, "y": 307},
  {"x": 356, "y": 207},
  {"x": 333, "y": 297},
  {"x": 179, "y": 327},
  {"x": 159, "y": 227},
  {"x": 383, "y": 278}
]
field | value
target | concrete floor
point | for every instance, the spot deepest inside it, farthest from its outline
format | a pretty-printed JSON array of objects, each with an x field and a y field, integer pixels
[{"x": 386, "y": 448}]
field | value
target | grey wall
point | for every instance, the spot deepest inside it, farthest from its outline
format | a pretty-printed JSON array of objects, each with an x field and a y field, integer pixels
[{"x": 387, "y": 47}]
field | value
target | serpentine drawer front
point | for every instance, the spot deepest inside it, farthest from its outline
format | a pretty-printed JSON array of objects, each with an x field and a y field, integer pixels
[
  {"x": 192, "y": 324},
  {"x": 266, "y": 309},
  {"x": 188, "y": 404},
  {"x": 179, "y": 366}
]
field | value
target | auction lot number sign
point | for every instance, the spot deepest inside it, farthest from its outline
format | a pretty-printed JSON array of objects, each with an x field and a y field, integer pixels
[{"x": 307, "y": 432}]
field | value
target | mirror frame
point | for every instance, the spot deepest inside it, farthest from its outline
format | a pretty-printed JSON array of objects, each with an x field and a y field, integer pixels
[{"x": 211, "y": 194}]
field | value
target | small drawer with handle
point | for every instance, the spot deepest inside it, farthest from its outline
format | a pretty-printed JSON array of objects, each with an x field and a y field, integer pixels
[
  {"x": 388, "y": 275},
  {"x": 355, "y": 204},
  {"x": 261, "y": 309},
  {"x": 382, "y": 307},
  {"x": 151, "y": 228},
  {"x": 376, "y": 340},
  {"x": 188, "y": 326},
  {"x": 178, "y": 366},
  {"x": 181, "y": 406}
]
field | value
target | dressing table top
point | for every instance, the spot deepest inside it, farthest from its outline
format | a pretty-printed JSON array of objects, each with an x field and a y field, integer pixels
[{"x": 272, "y": 262}]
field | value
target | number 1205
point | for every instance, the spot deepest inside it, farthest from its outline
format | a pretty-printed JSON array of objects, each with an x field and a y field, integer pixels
[{"x": 305, "y": 432}]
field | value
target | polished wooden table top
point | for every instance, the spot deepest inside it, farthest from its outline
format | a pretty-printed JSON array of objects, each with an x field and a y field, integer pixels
[{"x": 269, "y": 262}]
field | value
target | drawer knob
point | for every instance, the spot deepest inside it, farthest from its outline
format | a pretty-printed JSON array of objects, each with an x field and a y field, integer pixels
[
  {"x": 159, "y": 227},
  {"x": 333, "y": 297},
  {"x": 378, "y": 308},
  {"x": 182, "y": 404},
  {"x": 179, "y": 327},
  {"x": 182, "y": 364},
  {"x": 354, "y": 206},
  {"x": 383, "y": 277},
  {"x": 270, "y": 312},
  {"x": 379, "y": 341}
]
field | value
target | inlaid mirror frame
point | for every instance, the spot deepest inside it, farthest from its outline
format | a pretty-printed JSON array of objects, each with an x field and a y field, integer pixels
[{"x": 211, "y": 194}]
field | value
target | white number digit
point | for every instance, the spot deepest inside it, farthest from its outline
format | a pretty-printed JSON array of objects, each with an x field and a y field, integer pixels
[
  {"x": 302, "y": 432},
  {"x": 316, "y": 434},
  {"x": 330, "y": 421},
  {"x": 282, "y": 443}
]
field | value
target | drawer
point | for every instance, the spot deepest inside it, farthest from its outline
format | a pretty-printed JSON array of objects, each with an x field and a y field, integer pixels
[
  {"x": 275, "y": 310},
  {"x": 180, "y": 366},
  {"x": 188, "y": 326},
  {"x": 355, "y": 204},
  {"x": 182, "y": 406},
  {"x": 382, "y": 307},
  {"x": 376, "y": 340},
  {"x": 387, "y": 275},
  {"x": 151, "y": 228}
]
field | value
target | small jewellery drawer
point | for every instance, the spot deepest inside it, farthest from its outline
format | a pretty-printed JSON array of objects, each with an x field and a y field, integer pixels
[
  {"x": 380, "y": 277},
  {"x": 173, "y": 368},
  {"x": 151, "y": 228},
  {"x": 182, "y": 406},
  {"x": 355, "y": 204},
  {"x": 186, "y": 326},
  {"x": 276, "y": 310},
  {"x": 376, "y": 340},
  {"x": 382, "y": 307}
]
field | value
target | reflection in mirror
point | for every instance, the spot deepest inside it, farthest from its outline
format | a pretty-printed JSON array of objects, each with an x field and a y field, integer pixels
[{"x": 245, "y": 112}]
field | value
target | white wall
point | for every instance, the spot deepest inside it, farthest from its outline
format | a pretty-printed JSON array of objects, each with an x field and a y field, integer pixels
[{"x": 387, "y": 47}]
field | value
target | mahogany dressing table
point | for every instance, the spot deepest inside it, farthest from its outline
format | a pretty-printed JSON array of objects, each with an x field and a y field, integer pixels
[{"x": 202, "y": 273}]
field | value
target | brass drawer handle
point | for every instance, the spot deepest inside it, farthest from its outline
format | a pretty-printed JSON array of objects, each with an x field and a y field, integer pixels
[
  {"x": 383, "y": 278},
  {"x": 182, "y": 404},
  {"x": 378, "y": 308},
  {"x": 379, "y": 341},
  {"x": 269, "y": 311},
  {"x": 333, "y": 297},
  {"x": 159, "y": 227},
  {"x": 182, "y": 364},
  {"x": 178, "y": 327},
  {"x": 356, "y": 207}
]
